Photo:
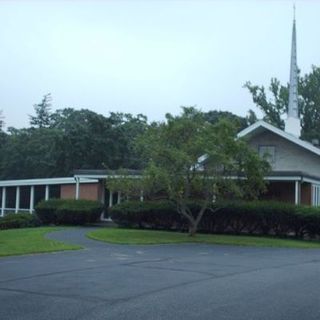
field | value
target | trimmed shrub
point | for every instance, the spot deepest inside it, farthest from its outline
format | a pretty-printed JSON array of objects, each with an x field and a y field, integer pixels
[
  {"x": 149, "y": 214},
  {"x": 19, "y": 220},
  {"x": 256, "y": 217},
  {"x": 68, "y": 211},
  {"x": 46, "y": 210}
]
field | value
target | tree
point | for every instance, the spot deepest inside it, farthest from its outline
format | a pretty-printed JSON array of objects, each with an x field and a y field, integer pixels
[
  {"x": 1, "y": 121},
  {"x": 275, "y": 106},
  {"x": 42, "y": 110},
  {"x": 176, "y": 166},
  {"x": 251, "y": 117},
  {"x": 213, "y": 116},
  {"x": 126, "y": 128},
  {"x": 30, "y": 153}
]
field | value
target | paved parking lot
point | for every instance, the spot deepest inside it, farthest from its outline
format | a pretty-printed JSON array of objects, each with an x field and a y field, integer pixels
[{"x": 160, "y": 282}]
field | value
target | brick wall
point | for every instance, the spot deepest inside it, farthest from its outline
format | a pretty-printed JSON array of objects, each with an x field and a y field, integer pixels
[
  {"x": 285, "y": 191},
  {"x": 280, "y": 191},
  {"x": 88, "y": 191},
  {"x": 306, "y": 194}
]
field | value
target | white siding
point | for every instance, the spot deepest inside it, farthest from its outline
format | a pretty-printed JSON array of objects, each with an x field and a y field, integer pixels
[{"x": 288, "y": 156}]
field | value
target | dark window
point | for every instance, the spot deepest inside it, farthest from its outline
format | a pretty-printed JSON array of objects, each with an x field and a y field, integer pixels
[
  {"x": 268, "y": 153},
  {"x": 11, "y": 197},
  {"x": 25, "y": 197},
  {"x": 54, "y": 191},
  {"x": 39, "y": 194}
]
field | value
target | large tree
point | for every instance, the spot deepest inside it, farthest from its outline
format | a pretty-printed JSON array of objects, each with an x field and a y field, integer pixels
[
  {"x": 274, "y": 104},
  {"x": 72, "y": 139},
  {"x": 190, "y": 159}
]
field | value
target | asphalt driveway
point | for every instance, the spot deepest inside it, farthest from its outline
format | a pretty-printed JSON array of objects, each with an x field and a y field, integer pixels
[{"x": 160, "y": 282}]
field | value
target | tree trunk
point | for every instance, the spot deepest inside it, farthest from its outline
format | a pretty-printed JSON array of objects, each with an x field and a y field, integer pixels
[{"x": 192, "y": 229}]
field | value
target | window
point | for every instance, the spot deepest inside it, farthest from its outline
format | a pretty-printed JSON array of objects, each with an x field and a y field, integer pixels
[{"x": 268, "y": 153}]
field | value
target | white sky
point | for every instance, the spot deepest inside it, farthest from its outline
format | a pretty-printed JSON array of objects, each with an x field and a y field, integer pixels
[{"x": 147, "y": 57}]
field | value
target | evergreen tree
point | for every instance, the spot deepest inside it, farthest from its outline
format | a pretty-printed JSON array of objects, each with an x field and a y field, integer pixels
[{"x": 42, "y": 119}]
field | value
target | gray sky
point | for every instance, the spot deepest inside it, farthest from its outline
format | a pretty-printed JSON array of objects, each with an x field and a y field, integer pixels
[{"x": 147, "y": 57}]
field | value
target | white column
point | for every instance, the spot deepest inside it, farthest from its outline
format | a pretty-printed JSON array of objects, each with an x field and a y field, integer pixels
[
  {"x": 46, "y": 196},
  {"x": 17, "y": 200},
  {"x": 103, "y": 195},
  {"x": 103, "y": 191},
  {"x": 119, "y": 197},
  {"x": 3, "y": 204},
  {"x": 31, "y": 199},
  {"x": 77, "y": 188},
  {"x": 141, "y": 196},
  {"x": 297, "y": 192},
  {"x": 110, "y": 198}
]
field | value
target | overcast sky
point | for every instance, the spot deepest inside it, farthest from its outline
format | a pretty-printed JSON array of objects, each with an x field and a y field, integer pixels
[{"x": 147, "y": 57}]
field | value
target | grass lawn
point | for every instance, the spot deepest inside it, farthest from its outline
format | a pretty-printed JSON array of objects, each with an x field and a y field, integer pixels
[
  {"x": 30, "y": 240},
  {"x": 133, "y": 236}
]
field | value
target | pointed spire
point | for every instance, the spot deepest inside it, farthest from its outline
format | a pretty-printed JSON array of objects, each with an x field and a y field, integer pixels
[
  {"x": 293, "y": 88},
  {"x": 292, "y": 124}
]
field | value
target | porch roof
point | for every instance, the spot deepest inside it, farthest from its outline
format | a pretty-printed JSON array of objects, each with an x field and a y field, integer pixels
[
  {"x": 43, "y": 181},
  {"x": 106, "y": 173},
  {"x": 292, "y": 176}
]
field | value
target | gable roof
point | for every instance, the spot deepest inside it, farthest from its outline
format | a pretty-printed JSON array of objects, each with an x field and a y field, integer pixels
[{"x": 261, "y": 126}]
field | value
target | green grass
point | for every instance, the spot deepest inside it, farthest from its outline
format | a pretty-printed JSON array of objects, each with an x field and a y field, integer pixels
[
  {"x": 133, "y": 236},
  {"x": 30, "y": 240}
]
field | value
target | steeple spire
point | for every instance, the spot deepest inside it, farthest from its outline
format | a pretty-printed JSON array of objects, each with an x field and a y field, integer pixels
[{"x": 292, "y": 123}]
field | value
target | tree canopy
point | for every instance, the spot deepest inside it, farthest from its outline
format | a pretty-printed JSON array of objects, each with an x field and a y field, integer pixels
[
  {"x": 1, "y": 120},
  {"x": 191, "y": 159},
  {"x": 274, "y": 105},
  {"x": 67, "y": 139},
  {"x": 57, "y": 142}
]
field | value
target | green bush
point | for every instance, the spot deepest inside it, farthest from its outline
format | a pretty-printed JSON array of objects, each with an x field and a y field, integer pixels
[
  {"x": 256, "y": 217},
  {"x": 19, "y": 220},
  {"x": 68, "y": 211},
  {"x": 148, "y": 214},
  {"x": 46, "y": 210}
]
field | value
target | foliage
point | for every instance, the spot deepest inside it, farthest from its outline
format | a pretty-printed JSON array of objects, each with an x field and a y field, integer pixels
[
  {"x": 74, "y": 212},
  {"x": 151, "y": 214},
  {"x": 214, "y": 116},
  {"x": 1, "y": 120},
  {"x": 60, "y": 141},
  {"x": 235, "y": 217},
  {"x": 275, "y": 106},
  {"x": 46, "y": 210},
  {"x": 173, "y": 150},
  {"x": 251, "y": 117},
  {"x": 131, "y": 186},
  {"x": 29, "y": 153},
  {"x": 19, "y": 220},
  {"x": 42, "y": 119},
  {"x": 75, "y": 139}
]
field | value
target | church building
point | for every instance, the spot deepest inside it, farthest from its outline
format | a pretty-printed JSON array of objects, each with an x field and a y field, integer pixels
[{"x": 295, "y": 163}]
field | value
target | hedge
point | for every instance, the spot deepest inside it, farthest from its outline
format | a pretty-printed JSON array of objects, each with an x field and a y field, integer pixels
[
  {"x": 19, "y": 220},
  {"x": 257, "y": 217},
  {"x": 73, "y": 212}
]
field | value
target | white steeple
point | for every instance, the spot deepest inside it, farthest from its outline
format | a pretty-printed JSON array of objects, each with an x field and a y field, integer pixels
[{"x": 292, "y": 123}]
